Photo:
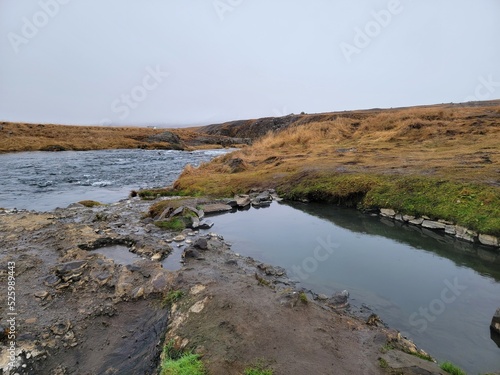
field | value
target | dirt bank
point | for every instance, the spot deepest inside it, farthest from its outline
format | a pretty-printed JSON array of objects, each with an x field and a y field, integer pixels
[{"x": 82, "y": 313}]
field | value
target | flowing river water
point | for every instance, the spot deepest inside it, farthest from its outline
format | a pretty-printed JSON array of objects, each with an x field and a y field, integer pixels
[{"x": 438, "y": 291}]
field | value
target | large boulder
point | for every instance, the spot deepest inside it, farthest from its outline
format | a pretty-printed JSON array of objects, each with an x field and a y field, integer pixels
[{"x": 165, "y": 137}]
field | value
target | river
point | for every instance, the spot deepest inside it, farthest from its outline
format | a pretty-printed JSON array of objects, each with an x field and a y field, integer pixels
[
  {"x": 42, "y": 181},
  {"x": 438, "y": 291}
]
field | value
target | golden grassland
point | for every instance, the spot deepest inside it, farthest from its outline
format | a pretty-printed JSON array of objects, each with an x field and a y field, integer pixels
[
  {"x": 41, "y": 137},
  {"x": 440, "y": 161}
]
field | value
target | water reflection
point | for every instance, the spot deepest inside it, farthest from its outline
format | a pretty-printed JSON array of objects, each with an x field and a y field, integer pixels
[
  {"x": 399, "y": 271},
  {"x": 484, "y": 260}
]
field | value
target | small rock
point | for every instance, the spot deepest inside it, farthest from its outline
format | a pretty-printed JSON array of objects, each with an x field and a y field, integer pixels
[
  {"x": 138, "y": 293},
  {"x": 52, "y": 280},
  {"x": 232, "y": 202},
  {"x": 322, "y": 297},
  {"x": 201, "y": 243},
  {"x": 373, "y": 320},
  {"x": 156, "y": 257},
  {"x": 191, "y": 253},
  {"x": 206, "y": 224},
  {"x": 449, "y": 229},
  {"x": 339, "y": 300},
  {"x": 495, "y": 322},
  {"x": 62, "y": 286},
  {"x": 149, "y": 228},
  {"x": 488, "y": 240},
  {"x": 465, "y": 234},
  {"x": 242, "y": 200},
  {"x": 387, "y": 212},
  {"x": 418, "y": 221},
  {"x": 61, "y": 328},
  {"x": 429, "y": 224},
  {"x": 42, "y": 294},
  {"x": 179, "y": 238},
  {"x": 408, "y": 218},
  {"x": 70, "y": 267},
  {"x": 177, "y": 211}
]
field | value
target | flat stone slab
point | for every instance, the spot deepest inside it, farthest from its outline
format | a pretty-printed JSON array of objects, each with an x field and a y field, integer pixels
[
  {"x": 216, "y": 207},
  {"x": 433, "y": 224},
  {"x": 403, "y": 361}
]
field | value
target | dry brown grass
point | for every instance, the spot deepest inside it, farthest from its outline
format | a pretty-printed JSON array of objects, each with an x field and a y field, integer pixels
[
  {"x": 36, "y": 137},
  {"x": 457, "y": 143}
]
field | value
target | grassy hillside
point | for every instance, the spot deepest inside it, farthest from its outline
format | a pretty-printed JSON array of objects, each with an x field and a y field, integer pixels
[
  {"x": 41, "y": 137},
  {"x": 440, "y": 161}
]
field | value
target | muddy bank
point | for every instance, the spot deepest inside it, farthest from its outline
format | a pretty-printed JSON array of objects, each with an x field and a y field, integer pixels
[{"x": 82, "y": 313}]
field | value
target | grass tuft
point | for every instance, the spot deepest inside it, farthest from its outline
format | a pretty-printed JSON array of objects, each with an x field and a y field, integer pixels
[
  {"x": 90, "y": 204},
  {"x": 175, "y": 224},
  {"x": 258, "y": 371},
  {"x": 383, "y": 363},
  {"x": 450, "y": 368},
  {"x": 303, "y": 298},
  {"x": 172, "y": 297},
  {"x": 187, "y": 364}
]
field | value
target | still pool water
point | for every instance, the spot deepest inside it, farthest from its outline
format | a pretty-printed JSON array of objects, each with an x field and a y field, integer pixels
[{"x": 438, "y": 291}]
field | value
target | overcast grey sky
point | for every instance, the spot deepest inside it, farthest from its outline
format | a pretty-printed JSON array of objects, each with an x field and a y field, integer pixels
[{"x": 188, "y": 62}]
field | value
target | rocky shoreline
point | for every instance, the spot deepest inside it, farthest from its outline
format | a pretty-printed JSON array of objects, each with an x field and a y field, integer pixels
[
  {"x": 447, "y": 227},
  {"x": 80, "y": 312}
]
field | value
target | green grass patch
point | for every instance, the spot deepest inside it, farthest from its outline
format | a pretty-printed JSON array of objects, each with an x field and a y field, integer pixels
[
  {"x": 175, "y": 224},
  {"x": 172, "y": 297},
  {"x": 187, "y": 364},
  {"x": 150, "y": 194},
  {"x": 474, "y": 206},
  {"x": 383, "y": 363},
  {"x": 177, "y": 362},
  {"x": 303, "y": 298},
  {"x": 450, "y": 368},
  {"x": 258, "y": 371},
  {"x": 90, "y": 204},
  {"x": 258, "y": 367}
]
